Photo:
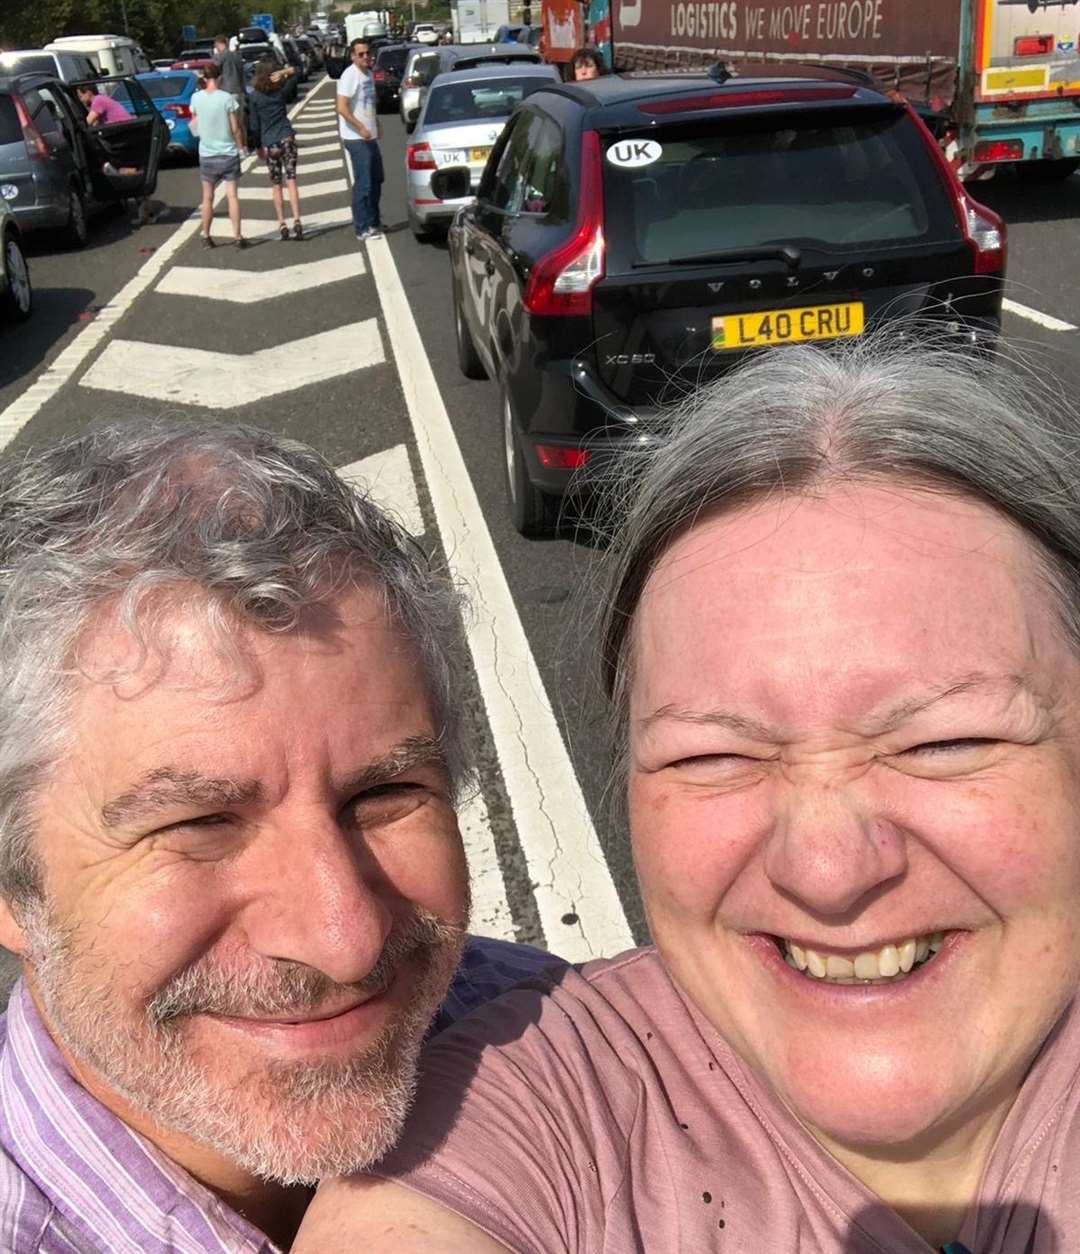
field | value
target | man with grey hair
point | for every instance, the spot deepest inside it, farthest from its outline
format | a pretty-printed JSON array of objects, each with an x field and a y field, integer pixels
[{"x": 230, "y": 747}]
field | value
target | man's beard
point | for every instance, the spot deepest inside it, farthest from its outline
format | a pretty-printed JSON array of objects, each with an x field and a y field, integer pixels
[{"x": 291, "y": 1122}]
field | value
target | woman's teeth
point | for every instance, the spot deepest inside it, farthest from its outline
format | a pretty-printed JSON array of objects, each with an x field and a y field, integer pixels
[{"x": 886, "y": 965}]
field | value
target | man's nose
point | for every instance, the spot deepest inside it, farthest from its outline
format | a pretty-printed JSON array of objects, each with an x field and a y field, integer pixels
[
  {"x": 315, "y": 895},
  {"x": 827, "y": 854}
]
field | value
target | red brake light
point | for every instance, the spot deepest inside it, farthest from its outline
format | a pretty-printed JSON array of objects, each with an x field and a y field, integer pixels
[
  {"x": 563, "y": 281},
  {"x": 999, "y": 150},
  {"x": 984, "y": 231},
  {"x": 36, "y": 147},
  {"x": 1033, "y": 45},
  {"x": 552, "y": 457},
  {"x": 733, "y": 99},
  {"x": 181, "y": 110},
  {"x": 420, "y": 157},
  {"x": 378, "y": 75}
]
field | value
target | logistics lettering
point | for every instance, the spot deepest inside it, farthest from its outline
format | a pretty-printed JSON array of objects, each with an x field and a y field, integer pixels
[
  {"x": 823, "y": 23},
  {"x": 714, "y": 19}
]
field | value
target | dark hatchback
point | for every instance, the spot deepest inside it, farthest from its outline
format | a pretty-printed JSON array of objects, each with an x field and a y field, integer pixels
[
  {"x": 634, "y": 236},
  {"x": 388, "y": 73}
]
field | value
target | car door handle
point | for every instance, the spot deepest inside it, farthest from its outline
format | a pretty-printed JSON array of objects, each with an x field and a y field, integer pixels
[{"x": 489, "y": 268}]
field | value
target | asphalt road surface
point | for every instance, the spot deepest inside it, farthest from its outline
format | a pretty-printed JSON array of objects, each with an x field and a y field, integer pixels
[{"x": 351, "y": 348}]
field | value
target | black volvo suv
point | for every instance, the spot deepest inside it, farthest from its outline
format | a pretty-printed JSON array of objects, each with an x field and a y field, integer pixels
[{"x": 634, "y": 236}]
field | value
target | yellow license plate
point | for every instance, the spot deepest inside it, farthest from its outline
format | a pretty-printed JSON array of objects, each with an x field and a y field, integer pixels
[
  {"x": 479, "y": 154},
  {"x": 787, "y": 326}
]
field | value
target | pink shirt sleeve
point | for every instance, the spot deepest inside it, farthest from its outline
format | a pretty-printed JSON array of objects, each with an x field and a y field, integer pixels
[{"x": 517, "y": 1129}]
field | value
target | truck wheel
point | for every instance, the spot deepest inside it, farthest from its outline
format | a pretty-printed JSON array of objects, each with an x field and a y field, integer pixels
[
  {"x": 533, "y": 513},
  {"x": 468, "y": 358},
  {"x": 75, "y": 231},
  {"x": 1048, "y": 171},
  {"x": 17, "y": 298}
]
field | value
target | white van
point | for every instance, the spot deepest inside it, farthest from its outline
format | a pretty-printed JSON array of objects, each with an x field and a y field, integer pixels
[
  {"x": 68, "y": 67},
  {"x": 113, "y": 54}
]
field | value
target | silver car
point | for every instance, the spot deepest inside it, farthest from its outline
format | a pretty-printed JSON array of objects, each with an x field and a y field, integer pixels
[
  {"x": 462, "y": 116},
  {"x": 425, "y": 64}
]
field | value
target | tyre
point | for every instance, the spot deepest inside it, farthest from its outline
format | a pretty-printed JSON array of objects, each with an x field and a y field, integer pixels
[
  {"x": 533, "y": 513},
  {"x": 1048, "y": 171},
  {"x": 17, "y": 298},
  {"x": 76, "y": 231},
  {"x": 468, "y": 358}
]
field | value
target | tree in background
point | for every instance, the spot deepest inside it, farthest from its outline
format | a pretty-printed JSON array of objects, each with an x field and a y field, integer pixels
[{"x": 155, "y": 24}]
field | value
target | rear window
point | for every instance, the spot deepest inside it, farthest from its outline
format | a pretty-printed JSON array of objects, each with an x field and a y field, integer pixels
[
  {"x": 465, "y": 102},
  {"x": 41, "y": 63},
  {"x": 392, "y": 58},
  {"x": 10, "y": 130},
  {"x": 256, "y": 52},
  {"x": 843, "y": 183},
  {"x": 163, "y": 88}
]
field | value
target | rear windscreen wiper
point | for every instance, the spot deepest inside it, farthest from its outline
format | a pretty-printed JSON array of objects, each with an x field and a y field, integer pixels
[{"x": 791, "y": 257}]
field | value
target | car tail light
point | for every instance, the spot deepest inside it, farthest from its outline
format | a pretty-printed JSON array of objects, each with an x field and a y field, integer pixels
[
  {"x": 378, "y": 75},
  {"x": 733, "y": 99},
  {"x": 984, "y": 231},
  {"x": 999, "y": 150},
  {"x": 420, "y": 157},
  {"x": 180, "y": 110},
  {"x": 36, "y": 147},
  {"x": 1033, "y": 45},
  {"x": 563, "y": 281},
  {"x": 552, "y": 457}
]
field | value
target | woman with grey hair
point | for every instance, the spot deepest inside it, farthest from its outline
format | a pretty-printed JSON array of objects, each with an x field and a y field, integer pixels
[{"x": 842, "y": 648}]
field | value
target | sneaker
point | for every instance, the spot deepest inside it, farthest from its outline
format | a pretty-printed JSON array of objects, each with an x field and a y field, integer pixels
[
  {"x": 241, "y": 242},
  {"x": 208, "y": 241},
  {"x": 374, "y": 233},
  {"x": 283, "y": 231},
  {"x": 297, "y": 230}
]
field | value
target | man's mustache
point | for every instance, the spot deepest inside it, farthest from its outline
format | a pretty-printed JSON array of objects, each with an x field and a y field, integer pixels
[{"x": 293, "y": 988}]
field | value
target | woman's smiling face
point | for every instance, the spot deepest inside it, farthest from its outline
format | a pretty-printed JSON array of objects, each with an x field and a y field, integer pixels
[{"x": 854, "y": 788}]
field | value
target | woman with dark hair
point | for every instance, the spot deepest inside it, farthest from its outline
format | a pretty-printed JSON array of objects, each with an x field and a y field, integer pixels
[
  {"x": 272, "y": 133},
  {"x": 585, "y": 64}
]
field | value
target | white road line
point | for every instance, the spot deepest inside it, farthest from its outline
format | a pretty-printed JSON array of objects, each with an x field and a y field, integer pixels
[
  {"x": 326, "y": 125},
  {"x": 491, "y": 915},
  {"x": 1033, "y": 315},
  {"x": 567, "y": 867},
  {"x": 310, "y": 190},
  {"x": 317, "y": 167},
  {"x": 388, "y": 479},
  {"x": 197, "y": 376},
  {"x": 248, "y": 287},
  {"x": 321, "y": 220},
  {"x": 69, "y": 360},
  {"x": 306, "y": 152}
]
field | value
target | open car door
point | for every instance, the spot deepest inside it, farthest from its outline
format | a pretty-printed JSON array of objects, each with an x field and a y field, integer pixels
[{"x": 123, "y": 157}]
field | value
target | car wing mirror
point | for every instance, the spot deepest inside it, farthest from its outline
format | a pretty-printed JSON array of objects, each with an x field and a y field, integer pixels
[{"x": 452, "y": 182}]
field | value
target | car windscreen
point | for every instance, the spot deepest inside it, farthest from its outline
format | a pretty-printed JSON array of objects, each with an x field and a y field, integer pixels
[
  {"x": 841, "y": 182},
  {"x": 10, "y": 130},
  {"x": 40, "y": 63},
  {"x": 467, "y": 102},
  {"x": 164, "y": 88}
]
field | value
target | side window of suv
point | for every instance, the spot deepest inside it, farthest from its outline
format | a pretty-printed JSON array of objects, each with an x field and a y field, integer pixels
[
  {"x": 506, "y": 189},
  {"x": 545, "y": 189},
  {"x": 43, "y": 116}
]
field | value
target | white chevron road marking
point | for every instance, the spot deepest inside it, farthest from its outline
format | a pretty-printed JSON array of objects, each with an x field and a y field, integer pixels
[
  {"x": 195, "y": 376},
  {"x": 248, "y": 287},
  {"x": 389, "y": 479},
  {"x": 307, "y": 190},
  {"x": 306, "y": 152}
]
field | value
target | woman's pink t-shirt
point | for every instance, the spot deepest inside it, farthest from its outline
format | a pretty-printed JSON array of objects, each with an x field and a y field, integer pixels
[
  {"x": 108, "y": 110},
  {"x": 595, "y": 1112}
]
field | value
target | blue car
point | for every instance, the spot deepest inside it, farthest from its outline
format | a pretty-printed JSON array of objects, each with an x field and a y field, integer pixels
[{"x": 171, "y": 92}]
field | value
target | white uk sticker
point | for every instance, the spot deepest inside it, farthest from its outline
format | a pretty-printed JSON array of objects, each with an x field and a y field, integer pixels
[{"x": 630, "y": 154}]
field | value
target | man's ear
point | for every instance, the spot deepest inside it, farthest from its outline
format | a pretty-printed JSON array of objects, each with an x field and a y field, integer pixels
[{"x": 12, "y": 935}]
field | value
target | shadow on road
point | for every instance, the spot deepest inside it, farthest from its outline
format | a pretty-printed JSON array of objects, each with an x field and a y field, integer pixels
[
  {"x": 1018, "y": 200},
  {"x": 24, "y": 346}
]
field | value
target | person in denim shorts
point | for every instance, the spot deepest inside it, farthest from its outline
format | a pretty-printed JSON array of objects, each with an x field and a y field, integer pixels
[{"x": 272, "y": 133}]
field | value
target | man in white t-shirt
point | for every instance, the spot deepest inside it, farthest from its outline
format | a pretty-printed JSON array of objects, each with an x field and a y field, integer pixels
[{"x": 359, "y": 127}]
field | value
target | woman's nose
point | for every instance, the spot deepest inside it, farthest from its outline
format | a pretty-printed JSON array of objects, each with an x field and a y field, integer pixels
[{"x": 827, "y": 854}]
